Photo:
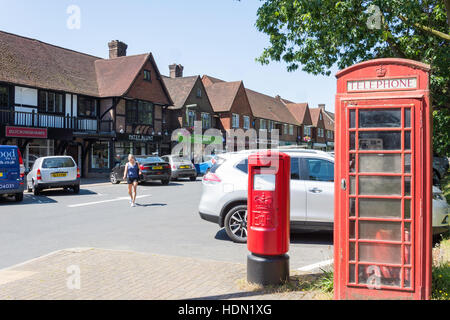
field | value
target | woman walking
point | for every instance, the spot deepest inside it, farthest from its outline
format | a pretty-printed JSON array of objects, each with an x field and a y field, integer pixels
[{"x": 131, "y": 174}]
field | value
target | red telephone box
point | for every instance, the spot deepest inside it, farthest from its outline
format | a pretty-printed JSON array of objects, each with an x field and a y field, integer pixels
[
  {"x": 269, "y": 174},
  {"x": 383, "y": 181}
]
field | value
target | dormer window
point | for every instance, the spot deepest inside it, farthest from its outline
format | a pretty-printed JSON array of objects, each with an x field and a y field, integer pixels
[{"x": 147, "y": 75}]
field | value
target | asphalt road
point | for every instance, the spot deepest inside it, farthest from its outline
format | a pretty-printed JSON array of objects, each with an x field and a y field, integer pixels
[{"x": 166, "y": 221}]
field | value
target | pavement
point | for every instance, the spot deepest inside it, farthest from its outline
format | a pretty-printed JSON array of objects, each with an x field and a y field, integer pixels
[{"x": 99, "y": 274}]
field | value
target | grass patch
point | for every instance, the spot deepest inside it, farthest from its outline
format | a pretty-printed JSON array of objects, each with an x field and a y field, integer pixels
[
  {"x": 321, "y": 284},
  {"x": 441, "y": 271}
]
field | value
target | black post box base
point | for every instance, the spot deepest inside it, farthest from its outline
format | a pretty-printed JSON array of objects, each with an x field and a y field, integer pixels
[{"x": 267, "y": 270}]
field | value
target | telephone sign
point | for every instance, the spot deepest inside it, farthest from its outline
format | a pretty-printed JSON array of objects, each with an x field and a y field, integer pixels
[{"x": 383, "y": 181}]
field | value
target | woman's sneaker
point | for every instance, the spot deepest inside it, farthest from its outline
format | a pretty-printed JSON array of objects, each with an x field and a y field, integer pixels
[{"x": 133, "y": 205}]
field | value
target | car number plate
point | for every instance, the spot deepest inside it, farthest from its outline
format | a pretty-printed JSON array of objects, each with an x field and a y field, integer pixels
[
  {"x": 157, "y": 168},
  {"x": 1, "y": 174},
  {"x": 59, "y": 174},
  {"x": 184, "y": 167}
]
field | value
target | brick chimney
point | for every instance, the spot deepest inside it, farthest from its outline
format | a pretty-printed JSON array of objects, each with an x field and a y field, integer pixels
[
  {"x": 176, "y": 70},
  {"x": 117, "y": 49}
]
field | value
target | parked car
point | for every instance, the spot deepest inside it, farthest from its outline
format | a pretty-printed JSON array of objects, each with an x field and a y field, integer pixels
[
  {"x": 182, "y": 167},
  {"x": 53, "y": 172},
  {"x": 12, "y": 172},
  {"x": 224, "y": 196},
  {"x": 204, "y": 167},
  {"x": 440, "y": 169},
  {"x": 153, "y": 169},
  {"x": 440, "y": 212}
]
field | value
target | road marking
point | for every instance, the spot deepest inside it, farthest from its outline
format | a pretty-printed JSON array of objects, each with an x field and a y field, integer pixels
[
  {"x": 104, "y": 201},
  {"x": 316, "y": 265}
]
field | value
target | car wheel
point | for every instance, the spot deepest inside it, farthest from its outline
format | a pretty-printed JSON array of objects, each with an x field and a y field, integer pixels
[
  {"x": 436, "y": 179},
  {"x": 193, "y": 178},
  {"x": 36, "y": 190},
  {"x": 18, "y": 197},
  {"x": 165, "y": 182},
  {"x": 114, "y": 179},
  {"x": 76, "y": 189},
  {"x": 29, "y": 188},
  {"x": 236, "y": 224}
]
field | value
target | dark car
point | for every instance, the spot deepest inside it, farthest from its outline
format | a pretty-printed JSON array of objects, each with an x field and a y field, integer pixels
[{"x": 153, "y": 168}]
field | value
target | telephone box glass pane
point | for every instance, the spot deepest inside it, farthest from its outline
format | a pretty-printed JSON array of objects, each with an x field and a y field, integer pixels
[
  {"x": 407, "y": 118},
  {"x": 407, "y": 163},
  {"x": 352, "y": 119},
  {"x": 380, "y": 253},
  {"x": 407, "y": 140},
  {"x": 389, "y": 163},
  {"x": 380, "y": 208},
  {"x": 351, "y": 271},
  {"x": 352, "y": 207},
  {"x": 407, "y": 186},
  {"x": 352, "y": 140},
  {"x": 380, "y": 230},
  {"x": 352, "y": 185},
  {"x": 407, "y": 209},
  {"x": 352, "y": 252},
  {"x": 381, "y": 140},
  {"x": 352, "y": 162},
  {"x": 380, "y": 118},
  {"x": 351, "y": 232},
  {"x": 379, "y": 275},
  {"x": 380, "y": 185}
]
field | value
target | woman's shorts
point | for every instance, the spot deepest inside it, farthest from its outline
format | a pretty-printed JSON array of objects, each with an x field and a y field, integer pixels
[{"x": 132, "y": 180}]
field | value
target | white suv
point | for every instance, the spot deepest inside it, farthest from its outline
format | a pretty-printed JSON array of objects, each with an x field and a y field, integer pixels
[{"x": 224, "y": 197}]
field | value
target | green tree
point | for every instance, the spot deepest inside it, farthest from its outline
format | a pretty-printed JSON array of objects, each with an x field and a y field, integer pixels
[{"x": 317, "y": 34}]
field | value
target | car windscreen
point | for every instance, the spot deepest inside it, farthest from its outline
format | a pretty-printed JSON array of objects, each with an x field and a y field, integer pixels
[
  {"x": 53, "y": 163},
  {"x": 149, "y": 160}
]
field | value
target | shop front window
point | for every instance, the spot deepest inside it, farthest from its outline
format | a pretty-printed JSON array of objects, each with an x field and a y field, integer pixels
[
  {"x": 37, "y": 149},
  {"x": 100, "y": 155}
]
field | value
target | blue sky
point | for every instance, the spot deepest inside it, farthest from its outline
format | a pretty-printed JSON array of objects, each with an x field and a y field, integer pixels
[{"x": 214, "y": 37}]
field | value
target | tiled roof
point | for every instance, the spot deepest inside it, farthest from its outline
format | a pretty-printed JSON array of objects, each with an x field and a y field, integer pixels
[
  {"x": 179, "y": 89},
  {"x": 267, "y": 107},
  {"x": 115, "y": 76},
  {"x": 222, "y": 95},
  {"x": 301, "y": 113},
  {"x": 33, "y": 63},
  {"x": 208, "y": 80},
  {"x": 315, "y": 113}
]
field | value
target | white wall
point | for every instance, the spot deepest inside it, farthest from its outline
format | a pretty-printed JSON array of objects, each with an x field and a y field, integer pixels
[{"x": 26, "y": 96}]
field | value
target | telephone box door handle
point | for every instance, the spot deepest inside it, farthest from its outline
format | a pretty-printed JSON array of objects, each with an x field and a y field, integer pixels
[{"x": 344, "y": 184}]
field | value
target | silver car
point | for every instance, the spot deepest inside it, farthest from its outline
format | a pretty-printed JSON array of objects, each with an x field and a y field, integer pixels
[
  {"x": 53, "y": 172},
  {"x": 224, "y": 196},
  {"x": 182, "y": 167}
]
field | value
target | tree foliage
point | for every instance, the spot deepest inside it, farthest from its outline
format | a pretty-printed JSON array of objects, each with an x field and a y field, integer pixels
[{"x": 317, "y": 34}]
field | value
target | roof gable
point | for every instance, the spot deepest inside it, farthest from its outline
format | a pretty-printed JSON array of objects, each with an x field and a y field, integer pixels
[
  {"x": 222, "y": 95},
  {"x": 180, "y": 89},
  {"x": 301, "y": 112}
]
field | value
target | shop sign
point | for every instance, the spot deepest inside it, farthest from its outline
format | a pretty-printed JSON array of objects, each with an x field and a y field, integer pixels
[{"x": 19, "y": 132}]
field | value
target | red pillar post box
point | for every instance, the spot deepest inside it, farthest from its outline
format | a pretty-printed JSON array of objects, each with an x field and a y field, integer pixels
[
  {"x": 383, "y": 181},
  {"x": 268, "y": 217}
]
